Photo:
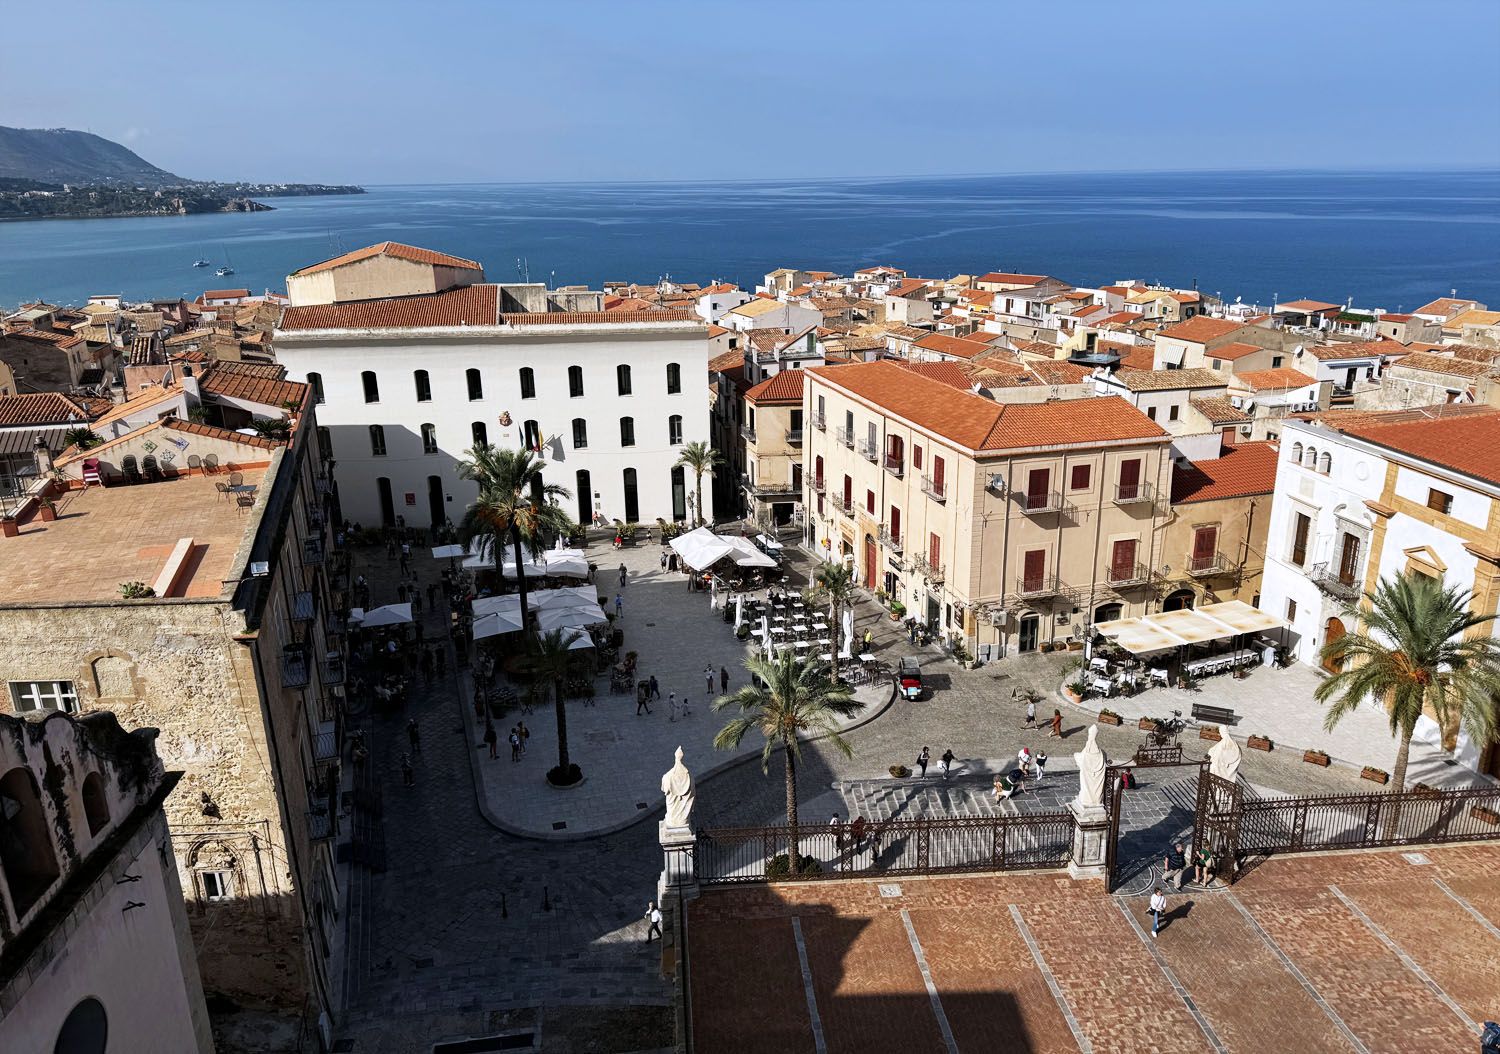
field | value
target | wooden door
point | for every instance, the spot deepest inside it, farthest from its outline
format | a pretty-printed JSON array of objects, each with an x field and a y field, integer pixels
[
  {"x": 869, "y": 562},
  {"x": 1038, "y": 483},
  {"x": 1333, "y": 631},
  {"x": 1034, "y": 570},
  {"x": 1122, "y": 560},
  {"x": 1130, "y": 478},
  {"x": 1205, "y": 545},
  {"x": 895, "y": 524},
  {"x": 1348, "y": 559}
]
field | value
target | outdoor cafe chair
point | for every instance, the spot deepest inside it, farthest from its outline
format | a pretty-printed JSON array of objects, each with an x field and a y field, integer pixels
[
  {"x": 210, "y": 463},
  {"x": 223, "y": 489},
  {"x": 236, "y": 479}
]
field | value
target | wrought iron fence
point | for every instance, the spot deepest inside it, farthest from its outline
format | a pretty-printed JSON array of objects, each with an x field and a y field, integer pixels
[
  {"x": 1367, "y": 821},
  {"x": 896, "y": 847}
]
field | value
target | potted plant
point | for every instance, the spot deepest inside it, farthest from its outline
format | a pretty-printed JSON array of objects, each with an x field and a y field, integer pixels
[
  {"x": 1146, "y": 724},
  {"x": 1259, "y": 742},
  {"x": 1315, "y": 757},
  {"x": 1075, "y": 645},
  {"x": 1209, "y": 732},
  {"x": 1426, "y": 790},
  {"x": 1483, "y": 815},
  {"x": 743, "y": 632},
  {"x": 9, "y": 526},
  {"x": 136, "y": 590},
  {"x": 898, "y": 611},
  {"x": 1075, "y": 690},
  {"x": 900, "y": 772},
  {"x": 1374, "y": 775},
  {"x": 1109, "y": 717},
  {"x": 48, "y": 510}
]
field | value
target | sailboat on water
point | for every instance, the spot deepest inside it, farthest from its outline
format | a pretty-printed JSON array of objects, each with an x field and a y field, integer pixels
[{"x": 228, "y": 268}]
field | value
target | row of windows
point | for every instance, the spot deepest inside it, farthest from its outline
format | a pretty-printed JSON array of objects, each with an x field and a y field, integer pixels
[
  {"x": 531, "y": 435},
  {"x": 475, "y": 383}
]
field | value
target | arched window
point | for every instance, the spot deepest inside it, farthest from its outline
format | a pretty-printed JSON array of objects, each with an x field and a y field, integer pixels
[
  {"x": 1297, "y": 453},
  {"x": 95, "y": 806},
  {"x": 372, "y": 386},
  {"x": 528, "y": 383},
  {"x": 476, "y": 386},
  {"x": 28, "y": 862},
  {"x": 1325, "y": 462},
  {"x": 575, "y": 382},
  {"x": 627, "y": 431},
  {"x": 531, "y": 433},
  {"x": 377, "y": 441},
  {"x": 424, "y": 386},
  {"x": 1310, "y": 459},
  {"x": 316, "y": 380},
  {"x": 325, "y": 443},
  {"x": 580, "y": 434},
  {"x": 622, "y": 378},
  {"x": 429, "y": 439},
  {"x": 481, "y": 433},
  {"x": 674, "y": 430},
  {"x": 674, "y": 378},
  {"x": 679, "y": 493},
  {"x": 85, "y": 1030}
]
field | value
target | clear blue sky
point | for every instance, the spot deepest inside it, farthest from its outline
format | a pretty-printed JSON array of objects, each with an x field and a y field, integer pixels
[{"x": 384, "y": 91}]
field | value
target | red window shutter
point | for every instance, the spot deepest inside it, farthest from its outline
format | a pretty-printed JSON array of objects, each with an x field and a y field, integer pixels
[
  {"x": 916, "y": 455},
  {"x": 934, "y": 550},
  {"x": 937, "y": 473},
  {"x": 870, "y": 502},
  {"x": 1034, "y": 568},
  {"x": 1130, "y": 478},
  {"x": 1122, "y": 559},
  {"x": 895, "y": 524}
]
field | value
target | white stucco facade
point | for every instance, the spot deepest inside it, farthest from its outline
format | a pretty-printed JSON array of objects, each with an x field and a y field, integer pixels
[{"x": 529, "y": 373}]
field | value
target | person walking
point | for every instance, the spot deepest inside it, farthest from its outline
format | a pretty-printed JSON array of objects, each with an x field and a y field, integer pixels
[
  {"x": 672, "y": 703},
  {"x": 947, "y": 760},
  {"x": 838, "y": 831},
  {"x": 414, "y": 734},
  {"x": 640, "y": 700},
  {"x": 1041, "y": 765},
  {"x": 857, "y": 833},
  {"x": 1056, "y": 732},
  {"x": 491, "y": 738},
  {"x": 1158, "y": 905},
  {"x": 922, "y": 760},
  {"x": 687, "y": 711},
  {"x": 655, "y": 688},
  {"x": 708, "y": 678},
  {"x": 622, "y": 576},
  {"x": 723, "y": 680},
  {"x": 653, "y": 916},
  {"x": 515, "y": 744},
  {"x": 1030, "y": 715},
  {"x": 663, "y": 559},
  {"x": 525, "y": 734},
  {"x": 408, "y": 776},
  {"x": 619, "y": 605},
  {"x": 1203, "y": 865}
]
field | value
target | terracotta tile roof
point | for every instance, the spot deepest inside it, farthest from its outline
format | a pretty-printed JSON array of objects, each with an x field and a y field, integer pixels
[
  {"x": 906, "y": 332},
  {"x": 399, "y": 251},
  {"x": 1281, "y": 378},
  {"x": 476, "y": 305},
  {"x": 1356, "y": 350},
  {"x": 958, "y": 347},
  {"x": 1472, "y": 352},
  {"x": 953, "y": 374},
  {"x": 590, "y": 318},
  {"x": 139, "y": 400},
  {"x": 1450, "y": 365},
  {"x": 198, "y": 429},
  {"x": 47, "y": 408},
  {"x": 1219, "y": 410},
  {"x": 1391, "y": 317},
  {"x": 779, "y": 389},
  {"x": 1232, "y": 352},
  {"x": 1059, "y": 371},
  {"x": 225, "y": 294},
  {"x": 266, "y": 370},
  {"x": 982, "y": 425},
  {"x": 1169, "y": 380},
  {"x": 1473, "y": 317},
  {"x": 1312, "y": 306},
  {"x": 717, "y": 331},
  {"x": 1445, "y": 306},
  {"x": 1468, "y": 443},
  {"x": 1008, "y": 278},
  {"x": 1243, "y": 471},
  {"x": 909, "y": 287},
  {"x": 1119, "y": 318},
  {"x": 45, "y": 336},
  {"x": 978, "y": 297},
  {"x": 629, "y": 303},
  {"x": 266, "y": 391},
  {"x": 728, "y": 360},
  {"x": 1135, "y": 356},
  {"x": 1201, "y": 329}
]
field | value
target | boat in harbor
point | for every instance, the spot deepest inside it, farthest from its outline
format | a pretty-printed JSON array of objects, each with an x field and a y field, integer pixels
[
  {"x": 224, "y": 271},
  {"x": 200, "y": 263}
]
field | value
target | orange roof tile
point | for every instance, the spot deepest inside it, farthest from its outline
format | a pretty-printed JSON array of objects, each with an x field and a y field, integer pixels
[
  {"x": 1468, "y": 443},
  {"x": 1010, "y": 278},
  {"x": 1201, "y": 329},
  {"x": 1310, "y": 306},
  {"x": 953, "y": 374},
  {"x": 783, "y": 388},
  {"x": 1449, "y": 364},
  {"x": 1357, "y": 349},
  {"x": 266, "y": 391},
  {"x": 1219, "y": 410},
  {"x": 1232, "y": 352},
  {"x": 476, "y": 305},
  {"x": 225, "y": 294},
  {"x": 399, "y": 251},
  {"x": 958, "y": 347},
  {"x": 1244, "y": 470},
  {"x": 981, "y": 425},
  {"x": 1282, "y": 377},
  {"x": 47, "y": 408}
]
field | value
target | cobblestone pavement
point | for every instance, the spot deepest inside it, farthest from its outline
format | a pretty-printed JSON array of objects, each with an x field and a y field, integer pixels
[{"x": 1356, "y": 952}]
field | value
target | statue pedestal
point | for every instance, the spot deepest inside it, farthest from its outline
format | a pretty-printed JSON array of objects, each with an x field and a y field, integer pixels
[
  {"x": 1090, "y": 831},
  {"x": 677, "y": 876}
]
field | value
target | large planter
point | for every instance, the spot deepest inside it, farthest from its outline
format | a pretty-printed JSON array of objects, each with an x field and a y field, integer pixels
[
  {"x": 9, "y": 527},
  {"x": 1315, "y": 757},
  {"x": 1146, "y": 724},
  {"x": 1483, "y": 815},
  {"x": 1110, "y": 719},
  {"x": 48, "y": 513},
  {"x": 1258, "y": 743},
  {"x": 1209, "y": 733},
  {"x": 1374, "y": 775}
]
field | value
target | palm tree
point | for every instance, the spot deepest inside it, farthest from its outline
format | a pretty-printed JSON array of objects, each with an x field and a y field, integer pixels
[
  {"x": 1418, "y": 651},
  {"x": 836, "y": 583},
  {"x": 701, "y": 458},
  {"x": 514, "y": 503},
  {"x": 787, "y": 698},
  {"x": 550, "y": 661}
]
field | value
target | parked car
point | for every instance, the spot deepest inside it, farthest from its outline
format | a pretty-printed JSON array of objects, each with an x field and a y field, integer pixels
[{"x": 909, "y": 677}]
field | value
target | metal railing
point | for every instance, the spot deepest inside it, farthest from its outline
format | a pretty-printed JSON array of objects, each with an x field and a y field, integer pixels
[
  {"x": 895, "y": 847},
  {"x": 1047, "y": 585},
  {"x": 844, "y": 436},
  {"x": 312, "y": 550},
  {"x": 1037, "y": 503},
  {"x": 304, "y": 606},
  {"x": 326, "y": 742},
  {"x": 842, "y": 504},
  {"x": 1368, "y": 821},
  {"x": 1211, "y": 564},
  {"x": 868, "y": 450},
  {"x": 296, "y": 671},
  {"x": 794, "y": 437},
  {"x": 762, "y": 489},
  {"x": 820, "y": 422},
  {"x": 1134, "y": 575},
  {"x": 936, "y": 489},
  {"x": 894, "y": 465},
  {"x": 333, "y": 668},
  {"x": 927, "y": 569},
  {"x": 1133, "y": 493},
  {"x": 818, "y": 485},
  {"x": 1326, "y": 578},
  {"x": 887, "y": 539},
  {"x": 747, "y": 433}
]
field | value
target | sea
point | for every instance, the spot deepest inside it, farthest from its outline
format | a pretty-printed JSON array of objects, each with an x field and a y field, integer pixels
[{"x": 1391, "y": 240}]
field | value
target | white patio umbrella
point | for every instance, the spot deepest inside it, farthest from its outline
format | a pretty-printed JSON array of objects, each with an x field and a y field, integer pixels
[
  {"x": 495, "y": 625},
  {"x": 848, "y": 634},
  {"x": 356, "y": 616},
  {"x": 739, "y": 610},
  {"x": 450, "y": 552},
  {"x": 583, "y": 640},
  {"x": 389, "y": 615}
]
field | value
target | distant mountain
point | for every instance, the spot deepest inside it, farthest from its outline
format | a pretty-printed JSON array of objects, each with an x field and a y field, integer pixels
[{"x": 61, "y": 155}]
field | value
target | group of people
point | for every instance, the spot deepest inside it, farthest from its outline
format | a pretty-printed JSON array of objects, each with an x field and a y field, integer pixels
[{"x": 519, "y": 734}]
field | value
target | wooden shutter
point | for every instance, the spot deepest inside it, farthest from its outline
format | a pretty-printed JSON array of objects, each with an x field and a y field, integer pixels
[
  {"x": 1034, "y": 569},
  {"x": 934, "y": 551},
  {"x": 1205, "y": 544},
  {"x": 1299, "y": 539},
  {"x": 1130, "y": 478},
  {"x": 895, "y": 524},
  {"x": 1122, "y": 560},
  {"x": 1348, "y": 559},
  {"x": 1037, "y": 485}
]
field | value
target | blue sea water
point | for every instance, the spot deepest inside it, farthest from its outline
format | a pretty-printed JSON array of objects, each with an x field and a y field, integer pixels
[{"x": 1391, "y": 240}]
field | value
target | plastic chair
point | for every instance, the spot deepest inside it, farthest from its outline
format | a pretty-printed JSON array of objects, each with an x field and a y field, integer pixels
[{"x": 129, "y": 467}]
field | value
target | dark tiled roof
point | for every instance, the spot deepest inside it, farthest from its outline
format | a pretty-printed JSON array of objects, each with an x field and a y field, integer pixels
[
  {"x": 47, "y": 408},
  {"x": 475, "y": 305},
  {"x": 266, "y": 391}
]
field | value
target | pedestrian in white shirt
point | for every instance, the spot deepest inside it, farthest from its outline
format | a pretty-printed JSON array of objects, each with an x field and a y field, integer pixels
[{"x": 1158, "y": 905}]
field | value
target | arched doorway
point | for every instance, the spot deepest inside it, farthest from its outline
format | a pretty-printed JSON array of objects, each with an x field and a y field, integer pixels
[
  {"x": 1181, "y": 599},
  {"x": 1108, "y": 612},
  {"x": 1333, "y": 630},
  {"x": 870, "y": 567}
]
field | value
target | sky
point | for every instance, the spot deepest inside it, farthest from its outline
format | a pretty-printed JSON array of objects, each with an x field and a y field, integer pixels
[{"x": 390, "y": 91}]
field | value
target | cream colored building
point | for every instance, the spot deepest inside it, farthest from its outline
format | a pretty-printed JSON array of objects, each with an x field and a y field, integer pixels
[
  {"x": 1213, "y": 538},
  {"x": 1006, "y": 525},
  {"x": 377, "y": 271},
  {"x": 773, "y": 436}
]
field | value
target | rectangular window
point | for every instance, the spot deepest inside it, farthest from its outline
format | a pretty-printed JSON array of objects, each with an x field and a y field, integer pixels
[
  {"x": 895, "y": 524},
  {"x": 916, "y": 456},
  {"x": 481, "y": 434},
  {"x": 1348, "y": 559},
  {"x": 1080, "y": 478},
  {"x": 1172, "y": 412},
  {"x": 377, "y": 441},
  {"x": 1151, "y": 412},
  {"x": 1276, "y": 361},
  {"x": 575, "y": 382},
  {"x": 934, "y": 551},
  {"x": 43, "y": 695},
  {"x": 938, "y": 471},
  {"x": 1439, "y": 501},
  {"x": 429, "y": 439},
  {"x": 627, "y": 431},
  {"x": 1291, "y": 611},
  {"x": 528, "y": 383},
  {"x": 674, "y": 378},
  {"x": 870, "y": 502},
  {"x": 674, "y": 430},
  {"x": 217, "y": 885},
  {"x": 1301, "y": 527},
  {"x": 580, "y": 434}
]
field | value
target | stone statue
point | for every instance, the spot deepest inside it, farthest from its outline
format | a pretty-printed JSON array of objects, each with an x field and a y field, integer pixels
[
  {"x": 677, "y": 785},
  {"x": 1224, "y": 757},
  {"x": 1091, "y": 763}
]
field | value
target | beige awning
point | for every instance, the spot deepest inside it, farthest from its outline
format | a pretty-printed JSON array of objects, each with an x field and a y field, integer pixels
[
  {"x": 1174, "y": 629},
  {"x": 1138, "y": 636},
  {"x": 1190, "y": 626},
  {"x": 1241, "y": 617}
]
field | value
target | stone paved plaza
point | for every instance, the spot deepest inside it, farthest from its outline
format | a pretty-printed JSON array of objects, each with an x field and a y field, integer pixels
[{"x": 1374, "y": 952}]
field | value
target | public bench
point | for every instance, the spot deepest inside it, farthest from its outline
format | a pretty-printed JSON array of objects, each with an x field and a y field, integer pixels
[{"x": 1217, "y": 715}]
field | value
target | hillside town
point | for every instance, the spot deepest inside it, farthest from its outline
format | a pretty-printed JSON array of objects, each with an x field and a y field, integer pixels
[{"x": 286, "y": 575}]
